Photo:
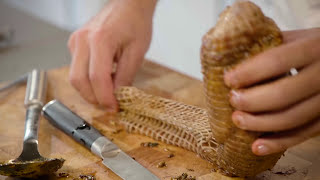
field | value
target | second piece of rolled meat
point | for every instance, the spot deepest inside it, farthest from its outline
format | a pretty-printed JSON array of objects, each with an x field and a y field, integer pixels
[{"x": 241, "y": 32}]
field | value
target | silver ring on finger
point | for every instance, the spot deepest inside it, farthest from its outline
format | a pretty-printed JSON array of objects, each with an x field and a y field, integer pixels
[{"x": 293, "y": 72}]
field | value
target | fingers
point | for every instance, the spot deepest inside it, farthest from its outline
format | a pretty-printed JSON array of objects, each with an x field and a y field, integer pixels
[
  {"x": 289, "y": 36},
  {"x": 274, "y": 62},
  {"x": 289, "y": 104},
  {"x": 78, "y": 75},
  {"x": 278, "y": 94},
  {"x": 282, "y": 141},
  {"x": 292, "y": 117},
  {"x": 127, "y": 66},
  {"x": 100, "y": 68}
]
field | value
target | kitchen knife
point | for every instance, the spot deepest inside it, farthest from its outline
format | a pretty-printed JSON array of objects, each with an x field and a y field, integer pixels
[{"x": 77, "y": 128}]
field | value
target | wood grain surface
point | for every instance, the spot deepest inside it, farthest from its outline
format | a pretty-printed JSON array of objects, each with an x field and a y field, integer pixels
[{"x": 299, "y": 163}]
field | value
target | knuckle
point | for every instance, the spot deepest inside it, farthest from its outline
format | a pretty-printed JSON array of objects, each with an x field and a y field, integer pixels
[
  {"x": 81, "y": 33},
  {"x": 90, "y": 98},
  {"x": 96, "y": 36},
  {"x": 75, "y": 36},
  {"x": 101, "y": 36},
  {"x": 73, "y": 80},
  {"x": 94, "y": 77},
  {"x": 76, "y": 80}
]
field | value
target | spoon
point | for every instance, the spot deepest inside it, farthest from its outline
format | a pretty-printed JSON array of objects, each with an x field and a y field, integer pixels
[{"x": 30, "y": 164}]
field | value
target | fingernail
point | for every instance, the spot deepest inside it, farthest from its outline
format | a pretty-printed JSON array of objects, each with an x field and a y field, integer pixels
[
  {"x": 238, "y": 120},
  {"x": 263, "y": 150},
  {"x": 234, "y": 97},
  {"x": 230, "y": 79}
]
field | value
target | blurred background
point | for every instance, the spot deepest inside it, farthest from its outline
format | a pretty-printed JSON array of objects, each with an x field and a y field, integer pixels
[{"x": 39, "y": 30}]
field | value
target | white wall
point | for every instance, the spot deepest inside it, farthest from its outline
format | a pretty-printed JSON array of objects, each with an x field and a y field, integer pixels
[
  {"x": 66, "y": 14},
  {"x": 178, "y": 29}
]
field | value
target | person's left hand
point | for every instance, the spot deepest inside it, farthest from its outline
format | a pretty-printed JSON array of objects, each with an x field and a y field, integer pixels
[{"x": 288, "y": 105}]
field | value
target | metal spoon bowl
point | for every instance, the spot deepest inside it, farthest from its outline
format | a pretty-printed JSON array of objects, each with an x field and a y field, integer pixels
[
  {"x": 30, "y": 163},
  {"x": 30, "y": 169}
]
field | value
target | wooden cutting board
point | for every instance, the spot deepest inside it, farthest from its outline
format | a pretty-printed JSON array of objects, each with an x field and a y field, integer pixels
[{"x": 300, "y": 162}]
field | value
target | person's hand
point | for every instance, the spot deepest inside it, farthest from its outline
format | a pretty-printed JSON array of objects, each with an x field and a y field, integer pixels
[
  {"x": 120, "y": 34},
  {"x": 287, "y": 105}
]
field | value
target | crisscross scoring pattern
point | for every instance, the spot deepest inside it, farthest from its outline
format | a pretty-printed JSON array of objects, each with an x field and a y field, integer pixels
[{"x": 168, "y": 121}]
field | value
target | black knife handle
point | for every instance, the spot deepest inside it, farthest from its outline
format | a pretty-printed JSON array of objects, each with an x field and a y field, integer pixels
[{"x": 70, "y": 123}]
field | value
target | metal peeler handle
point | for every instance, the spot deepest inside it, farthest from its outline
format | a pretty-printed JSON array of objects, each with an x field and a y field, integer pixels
[
  {"x": 34, "y": 100},
  {"x": 70, "y": 123},
  {"x": 36, "y": 88}
]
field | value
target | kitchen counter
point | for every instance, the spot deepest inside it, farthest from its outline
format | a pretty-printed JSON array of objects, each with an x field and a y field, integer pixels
[{"x": 299, "y": 163}]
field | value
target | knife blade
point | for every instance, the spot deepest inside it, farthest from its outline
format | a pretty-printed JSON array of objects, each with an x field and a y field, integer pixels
[{"x": 113, "y": 157}]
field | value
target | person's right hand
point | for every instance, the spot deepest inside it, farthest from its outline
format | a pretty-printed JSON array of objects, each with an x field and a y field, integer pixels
[{"x": 120, "y": 34}]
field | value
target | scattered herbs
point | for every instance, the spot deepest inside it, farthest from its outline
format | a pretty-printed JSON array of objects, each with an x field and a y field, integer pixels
[
  {"x": 161, "y": 164},
  {"x": 117, "y": 131},
  {"x": 304, "y": 172},
  {"x": 286, "y": 172},
  {"x": 184, "y": 176},
  {"x": 213, "y": 170},
  {"x": 149, "y": 144},
  {"x": 63, "y": 174},
  {"x": 113, "y": 123},
  {"x": 171, "y": 155},
  {"x": 190, "y": 169},
  {"x": 87, "y": 177}
]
